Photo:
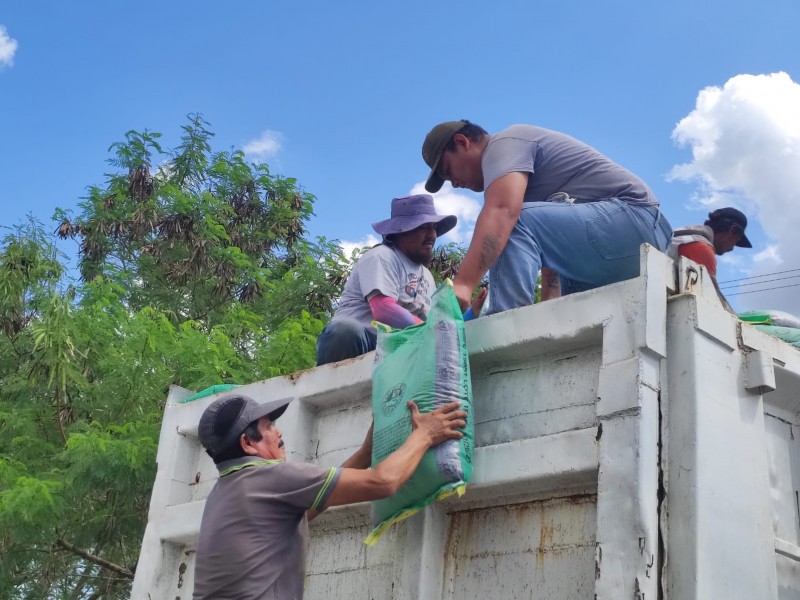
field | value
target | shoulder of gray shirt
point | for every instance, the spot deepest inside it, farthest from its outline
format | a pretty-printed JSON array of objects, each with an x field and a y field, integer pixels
[{"x": 627, "y": 187}]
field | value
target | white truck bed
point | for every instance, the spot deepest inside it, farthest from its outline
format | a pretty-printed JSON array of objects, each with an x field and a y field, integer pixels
[{"x": 632, "y": 442}]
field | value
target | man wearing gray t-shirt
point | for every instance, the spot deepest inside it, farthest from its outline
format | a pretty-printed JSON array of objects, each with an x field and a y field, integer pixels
[
  {"x": 254, "y": 533},
  {"x": 551, "y": 202},
  {"x": 391, "y": 283}
]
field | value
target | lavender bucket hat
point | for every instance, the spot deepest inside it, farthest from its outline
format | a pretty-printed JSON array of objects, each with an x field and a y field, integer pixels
[{"x": 410, "y": 212}]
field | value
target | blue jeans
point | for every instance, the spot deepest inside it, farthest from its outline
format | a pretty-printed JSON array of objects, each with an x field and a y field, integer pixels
[
  {"x": 588, "y": 245},
  {"x": 344, "y": 338}
]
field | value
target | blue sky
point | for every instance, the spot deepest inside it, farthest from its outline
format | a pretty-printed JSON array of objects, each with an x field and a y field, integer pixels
[{"x": 340, "y": 96}]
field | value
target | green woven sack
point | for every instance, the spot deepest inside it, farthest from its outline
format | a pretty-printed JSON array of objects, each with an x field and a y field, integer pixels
[
  {"x": 771, "y": 317},
  {"x": 790, "y": 335},
  {"x": 427, "y": 363}
]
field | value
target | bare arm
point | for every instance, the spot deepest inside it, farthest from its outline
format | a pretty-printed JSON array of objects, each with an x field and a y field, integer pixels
[
  {"x": 359, "y": 485},
  {"x": 362, "y": 458},
  {"x": 501, "y": 207},
  {"x": 477, "y": 302}
]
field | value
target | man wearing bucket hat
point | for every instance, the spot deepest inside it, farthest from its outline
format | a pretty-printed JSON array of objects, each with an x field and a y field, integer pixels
[
  {"x": 254, "y": 532},
  {"x": 390, "y": 283},
  {"x": 525, "y": 225}
]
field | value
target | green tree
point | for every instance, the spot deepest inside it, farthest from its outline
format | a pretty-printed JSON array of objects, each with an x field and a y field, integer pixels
[{"x": 195, "y": 269}]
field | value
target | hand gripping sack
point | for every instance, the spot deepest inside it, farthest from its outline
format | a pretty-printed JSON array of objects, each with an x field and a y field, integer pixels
[{"x": 427, "y": 363}]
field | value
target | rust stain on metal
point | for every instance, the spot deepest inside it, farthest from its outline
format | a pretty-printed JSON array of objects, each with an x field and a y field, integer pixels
[
  {"x": 475, "y": 537},
  {"x": 598, "y": 558},
  {"x": 181, "y": 571},
  {"x": 546, "y": 535}
]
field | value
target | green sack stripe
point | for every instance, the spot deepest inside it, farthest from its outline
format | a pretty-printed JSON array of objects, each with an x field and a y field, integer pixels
[
  {"x": 214, "y": 389},
  {"x": 376, "y": 532},
  {"x": 756, "y": 318},
  {"x": 778, "y": 318}
]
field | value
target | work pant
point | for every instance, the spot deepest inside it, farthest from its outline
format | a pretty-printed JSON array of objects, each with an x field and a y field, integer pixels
[
  {"x": 344, "y": 338},
  {"x": 588, "y": 245}
]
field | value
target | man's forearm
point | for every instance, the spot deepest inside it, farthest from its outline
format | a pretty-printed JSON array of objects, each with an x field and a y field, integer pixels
[
  {"x": 396, "y": 468},
  {"x": 386, "y": 310},
  {"x": 361, "y": 459},
  {"x": 492, "y": 229}
]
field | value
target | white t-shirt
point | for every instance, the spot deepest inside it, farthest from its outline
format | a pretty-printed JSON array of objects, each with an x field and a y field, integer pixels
[{"x": 387, "y": 271}]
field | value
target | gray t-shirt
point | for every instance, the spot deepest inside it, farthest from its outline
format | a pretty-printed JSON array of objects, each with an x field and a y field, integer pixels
[
  {"x": 557, "y": 162},
  {"x": 254, "y": 532},
  {"x": 386, "y": 270}
]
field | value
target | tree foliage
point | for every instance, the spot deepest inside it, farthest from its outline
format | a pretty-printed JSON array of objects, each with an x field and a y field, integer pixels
[{"x": 194, "y": 268}]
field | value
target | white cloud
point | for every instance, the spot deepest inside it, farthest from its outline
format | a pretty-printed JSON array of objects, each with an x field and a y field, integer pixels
[
  {"x": 349, "y": 247},
  {"x": 8, "y": 47},
  {"x": 745, "y": 142},
  {"x": 266, "y": 145},
  {"x": 771, "y": 255},
  {"x": 464, "y": 206},
  {"x": 163, "y": 171}
]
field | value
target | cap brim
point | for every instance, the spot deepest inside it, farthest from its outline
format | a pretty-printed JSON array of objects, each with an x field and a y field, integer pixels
[
  {"x": 744, "y": 242},
  {"x": 272, "y": 410},
  {"x": 434, "y": 183},
  {"x": 446, "y": 224}
]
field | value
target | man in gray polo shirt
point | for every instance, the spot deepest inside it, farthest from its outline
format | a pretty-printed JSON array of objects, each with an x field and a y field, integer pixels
[
  {"x": 254, "y": 532},
  {"x": 550, "y": 202}
]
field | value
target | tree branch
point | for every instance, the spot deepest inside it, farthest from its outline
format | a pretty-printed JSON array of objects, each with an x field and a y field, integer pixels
[
  {"x": 95, "y": 559},
  {"x": 58, "y": 417}
]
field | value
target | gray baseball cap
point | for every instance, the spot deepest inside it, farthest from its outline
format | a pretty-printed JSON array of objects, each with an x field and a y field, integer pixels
[{"x": 226, "y": 418}]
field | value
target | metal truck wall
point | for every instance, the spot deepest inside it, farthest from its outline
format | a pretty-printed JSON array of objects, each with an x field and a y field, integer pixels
[
  {"x": 576, "y": 407},
  {"x": 731, "y": 454}
]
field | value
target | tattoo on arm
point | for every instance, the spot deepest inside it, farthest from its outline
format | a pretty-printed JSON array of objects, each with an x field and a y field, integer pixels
[
  {"x": 489, "y": 252},
  {"x": 551, "y": 284}
]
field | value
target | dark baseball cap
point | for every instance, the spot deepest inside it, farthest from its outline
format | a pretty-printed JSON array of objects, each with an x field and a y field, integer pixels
[
  {"x": 226, "y": 418},
  {"x": 433, "y": 148},
  {"x": 735, "y": 217}
]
